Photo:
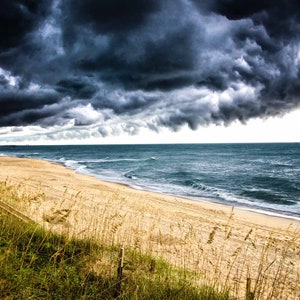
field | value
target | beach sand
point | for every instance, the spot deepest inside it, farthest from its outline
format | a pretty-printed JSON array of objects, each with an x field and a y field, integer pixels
[{"x": 223, "y": 245}]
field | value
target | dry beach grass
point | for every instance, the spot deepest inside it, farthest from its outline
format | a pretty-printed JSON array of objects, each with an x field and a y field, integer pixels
[{"x": 220, "y": 245}]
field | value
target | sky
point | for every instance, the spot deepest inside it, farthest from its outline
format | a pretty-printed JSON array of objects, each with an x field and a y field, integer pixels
[{"x": 149, "y": 71}]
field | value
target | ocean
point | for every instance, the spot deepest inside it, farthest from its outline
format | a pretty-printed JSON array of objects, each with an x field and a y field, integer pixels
[{"x": 260, "y": 177}]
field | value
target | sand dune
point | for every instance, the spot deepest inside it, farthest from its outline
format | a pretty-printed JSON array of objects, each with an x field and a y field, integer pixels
[{"x": 222, "y": 244}]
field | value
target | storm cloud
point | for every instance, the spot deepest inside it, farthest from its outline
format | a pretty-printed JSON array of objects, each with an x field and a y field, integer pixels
[{"x": 100, "y": 68}]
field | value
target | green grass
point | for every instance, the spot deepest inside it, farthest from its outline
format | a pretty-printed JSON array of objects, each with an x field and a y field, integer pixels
[{"x": 36, "y": 264}]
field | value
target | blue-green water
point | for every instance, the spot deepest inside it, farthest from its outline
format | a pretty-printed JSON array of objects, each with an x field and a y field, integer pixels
[{"x": 255, "y": 176}]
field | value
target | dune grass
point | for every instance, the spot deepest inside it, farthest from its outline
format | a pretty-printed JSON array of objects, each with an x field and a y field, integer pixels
[{"x": 36, "y": 263}]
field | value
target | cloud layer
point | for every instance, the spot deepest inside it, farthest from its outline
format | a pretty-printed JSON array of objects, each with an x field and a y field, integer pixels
[{"x": 97, "y": 68}]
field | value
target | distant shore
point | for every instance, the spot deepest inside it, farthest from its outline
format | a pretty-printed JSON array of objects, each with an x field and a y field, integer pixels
[{"x": 181, "y": 230}]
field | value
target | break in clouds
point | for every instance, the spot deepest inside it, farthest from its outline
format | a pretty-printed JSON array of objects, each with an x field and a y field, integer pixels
[{"x": 82, "y": 69}]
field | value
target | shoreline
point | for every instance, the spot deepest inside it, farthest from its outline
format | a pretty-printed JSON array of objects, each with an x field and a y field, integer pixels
[
  {"x": 268, "y": 212},
  {"x": 246, "y": 208},
  {"x": 214, "y": 201},
  {"x": 289, "y": 210},
  {"x": 200, "y": 201}
]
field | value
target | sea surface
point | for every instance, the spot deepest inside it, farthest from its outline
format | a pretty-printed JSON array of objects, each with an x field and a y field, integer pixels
[{"x": 263, "y": 177}]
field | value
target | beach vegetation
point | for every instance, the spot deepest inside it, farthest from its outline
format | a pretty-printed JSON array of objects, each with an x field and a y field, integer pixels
[
  {"x": 183, "y": 261},
  {"x": 36, "y": 264}
]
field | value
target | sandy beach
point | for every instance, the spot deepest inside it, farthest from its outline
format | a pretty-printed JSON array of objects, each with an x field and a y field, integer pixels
[{"x": 223, "y": 244}]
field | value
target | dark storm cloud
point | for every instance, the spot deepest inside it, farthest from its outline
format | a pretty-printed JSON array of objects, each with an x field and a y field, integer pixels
[
  {"x": 17, "y": 19},
  {"x": 279, "y": 17},
  {"x": 109, "y": 15},
  {"x": 137, "y": 49},
  {"x": 78, "y": 87},
  {"x": 17, "y": 107},
  {"x": 147, "y": 63}
]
